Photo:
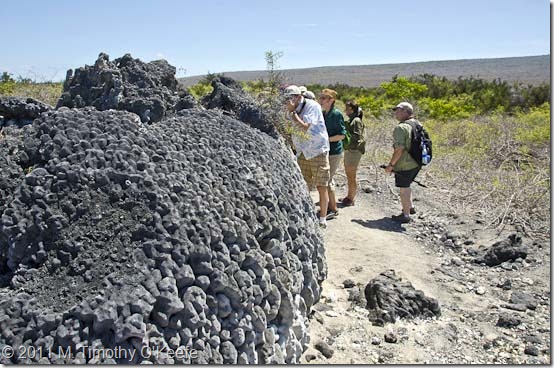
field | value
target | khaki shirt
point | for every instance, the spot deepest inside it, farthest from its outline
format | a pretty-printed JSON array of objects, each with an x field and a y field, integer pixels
[{"x": 401, "y": 138}]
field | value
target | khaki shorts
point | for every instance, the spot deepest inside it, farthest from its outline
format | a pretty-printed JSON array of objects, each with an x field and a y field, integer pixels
[
  {"x": 315, "y": 170},
  {"x": 352, "y": 158},
  {"x": 334, "y": 163}
]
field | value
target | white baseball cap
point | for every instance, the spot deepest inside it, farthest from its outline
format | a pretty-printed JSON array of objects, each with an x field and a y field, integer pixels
[{"x": 292, "y": 91}]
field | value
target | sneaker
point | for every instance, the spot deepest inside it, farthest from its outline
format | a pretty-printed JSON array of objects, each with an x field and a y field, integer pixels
[
  {"x": 347, "y": 202},
  {"x": 412, "y": 211},
  {"x": 332, "y": 214},
  {"x": 323, "y": 225},
  {"x": 401, "y": 218}
]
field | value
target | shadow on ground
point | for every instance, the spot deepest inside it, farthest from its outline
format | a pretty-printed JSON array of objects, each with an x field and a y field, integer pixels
[{"x": 385, "y": 223}]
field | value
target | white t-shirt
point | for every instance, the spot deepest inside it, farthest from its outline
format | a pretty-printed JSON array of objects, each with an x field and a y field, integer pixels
[{"x": 317, "y": 141}]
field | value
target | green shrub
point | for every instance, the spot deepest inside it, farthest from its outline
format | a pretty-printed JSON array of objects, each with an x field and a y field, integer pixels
[
  {"x": 200, "y": 90},
  {"x": 372, "y": 105},
  {"x": 7, "y": 84},
  {"x": 459, "y": 107},
  {"x": 534, "y": 127},
  {"x": 403, "y": 89}
]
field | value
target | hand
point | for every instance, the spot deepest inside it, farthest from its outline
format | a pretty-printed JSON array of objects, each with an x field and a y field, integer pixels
[
  {"x": 389, "y": 169},
  {"x": 290, "y": 106}
]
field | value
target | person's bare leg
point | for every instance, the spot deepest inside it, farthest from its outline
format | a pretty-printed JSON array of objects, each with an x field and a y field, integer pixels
[
  {"x": 352, "y": 184},
  {"x": 332, "y": 199},
  {"x": 323, "y": 201},
  {"x": 406, "y": 200}
]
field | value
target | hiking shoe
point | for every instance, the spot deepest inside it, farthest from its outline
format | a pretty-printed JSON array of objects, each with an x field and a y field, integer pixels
[
  {"x": 347, "y": 202},
  {"x": 412, "y": 211},
  {"x": 401, "y": 218},
  {"x": 332, "y": 214}
]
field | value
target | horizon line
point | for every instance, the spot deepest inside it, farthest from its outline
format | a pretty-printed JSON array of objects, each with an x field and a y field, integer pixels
[{"x": 359, "y": 65}]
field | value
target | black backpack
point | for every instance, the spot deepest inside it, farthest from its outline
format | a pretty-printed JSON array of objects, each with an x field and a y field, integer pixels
[{"x": 422, "y": 146}]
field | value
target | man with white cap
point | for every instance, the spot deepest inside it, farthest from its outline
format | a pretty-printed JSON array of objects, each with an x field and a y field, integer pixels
[
  {"x": 312, "y": 144},
  {"x": 404, "y": 166}
]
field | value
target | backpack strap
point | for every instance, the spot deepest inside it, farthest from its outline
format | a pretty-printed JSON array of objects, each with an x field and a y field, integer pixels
[
  {"x": 412, "y": 124},
  {"x": 302, "y": 107}
]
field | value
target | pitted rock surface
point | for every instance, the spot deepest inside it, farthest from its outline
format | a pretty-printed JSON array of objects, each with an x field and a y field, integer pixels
[
  {"x": 508, "y": 249},
  {"x": 229, "y": 96},
  {"x": 19, "y": 111},
  {"x": 389, "y": 298},
  {"x": 148, "y": 89},
  {"x": 118, "y": 234}
]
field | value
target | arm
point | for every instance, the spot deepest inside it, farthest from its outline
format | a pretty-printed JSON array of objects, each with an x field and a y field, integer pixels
[
  {"x": 336, "y": 138},
  {"x": 357, "y": 135},
  {"x": 399, "y": 137},
  {"x": 299, "y": 122},
  {"x": 341, "y": 132},
  {"x": 394, "y": 159}
]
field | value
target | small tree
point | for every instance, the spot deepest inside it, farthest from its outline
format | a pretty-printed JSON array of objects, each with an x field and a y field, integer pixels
[{"x": 275, "y": 76}]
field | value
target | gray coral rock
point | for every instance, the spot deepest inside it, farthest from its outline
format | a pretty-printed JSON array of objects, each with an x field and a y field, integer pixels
[
  {"x": 116, "y": 234},
  {"x": 389, "y": 298}
]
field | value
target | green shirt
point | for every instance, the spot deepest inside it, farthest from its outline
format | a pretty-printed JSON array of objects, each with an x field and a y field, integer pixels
[
  {"x": 401, "y": 137},
  {"x": 335, "y": 126},
  {"x": 355, "y": 127}
]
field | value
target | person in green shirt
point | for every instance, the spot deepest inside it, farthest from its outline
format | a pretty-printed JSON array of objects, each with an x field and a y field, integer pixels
[
  {"x": 404, "y": 166},
  {"x": 355, "y": 149},
  {"x": 336, "y": 130}
]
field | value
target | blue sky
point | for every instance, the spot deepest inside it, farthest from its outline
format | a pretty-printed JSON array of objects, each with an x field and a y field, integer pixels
[{"x": 42, "y": 39}]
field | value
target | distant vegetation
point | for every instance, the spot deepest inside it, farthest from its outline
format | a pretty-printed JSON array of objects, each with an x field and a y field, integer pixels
[
  {"x": 47, "y": 92},
  {"x": 440, "y": 98},
  {"x": 491, "y": 140}
]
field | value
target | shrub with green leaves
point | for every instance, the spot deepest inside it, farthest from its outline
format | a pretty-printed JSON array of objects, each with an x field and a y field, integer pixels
[
  {"x": 534, "y": 127},
  {"x": 459, "y": 107},
  {"x": 7, "y": 84},
  {"x": 47, "y": 92}
]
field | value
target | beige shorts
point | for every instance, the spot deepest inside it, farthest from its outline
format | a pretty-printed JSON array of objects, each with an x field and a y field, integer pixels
[
  {"x": 352, "y": 158},
  {"x": 334, "y": 163},
  {"x": 315, "y": 170}
]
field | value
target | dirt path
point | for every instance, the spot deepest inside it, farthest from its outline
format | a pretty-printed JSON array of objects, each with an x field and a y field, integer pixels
[{"x": 361, "y": 243}]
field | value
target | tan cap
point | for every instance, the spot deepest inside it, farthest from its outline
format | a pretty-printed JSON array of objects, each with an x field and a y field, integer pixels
[{"x": 406, "y": 106}]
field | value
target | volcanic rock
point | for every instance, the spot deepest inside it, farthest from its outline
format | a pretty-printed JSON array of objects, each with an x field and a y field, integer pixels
[
  {"x": 118, "y": 234},
  {"x": 389, "y": 298},
  {"x": 229, "y": 96},
  {"x": 148, "y": 89},
  {"x": 20, "y": 111},
  {"x": 508, "y": 249}
]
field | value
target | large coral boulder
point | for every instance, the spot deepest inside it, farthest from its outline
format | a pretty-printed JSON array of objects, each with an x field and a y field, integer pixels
[
  {"x": 148, "y": 89},
  {"x": 196, "y": 234},
  {"x": 19, "y": 111}
]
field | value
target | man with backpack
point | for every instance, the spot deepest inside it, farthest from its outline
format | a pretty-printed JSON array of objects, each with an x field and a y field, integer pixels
[{"x": 405, "y": 166}]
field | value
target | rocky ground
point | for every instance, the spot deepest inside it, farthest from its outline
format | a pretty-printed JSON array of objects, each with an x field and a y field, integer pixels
[{"x": 490, "y": 314}]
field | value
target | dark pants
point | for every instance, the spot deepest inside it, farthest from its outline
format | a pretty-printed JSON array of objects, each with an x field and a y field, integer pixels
[{"x": 403, "y": 179}]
